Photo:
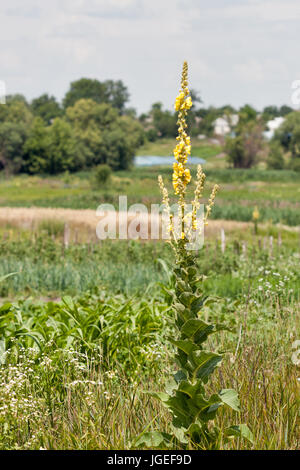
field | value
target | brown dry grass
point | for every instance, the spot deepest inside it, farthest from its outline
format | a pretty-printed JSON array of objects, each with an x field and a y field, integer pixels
[{"x": 85, "y": 220}]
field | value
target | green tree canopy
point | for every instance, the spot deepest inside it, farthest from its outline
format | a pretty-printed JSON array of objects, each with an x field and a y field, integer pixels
[
  {"x": 36, "y": 148},
  {"x": 16, "y": 112},
  {"x": 110, "y": 92},
  {"x": 243, "y": 149},
  {"x": 288, "y": 134},
  {"x": 12, "y": 139},
  {"x": 46, "y": 107},
  {"x": 62, "y": 154},
  {"x": 102, "y": 135}
]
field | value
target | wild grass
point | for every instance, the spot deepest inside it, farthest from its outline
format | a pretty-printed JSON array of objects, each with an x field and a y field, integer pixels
[
  {"x": 46, "y": 268},
  {"x": 275, "y": 193},
  {"x": 73, "y": 387}
]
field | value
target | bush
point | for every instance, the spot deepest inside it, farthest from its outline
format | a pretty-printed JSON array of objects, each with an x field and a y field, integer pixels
[
  {"x": 275, "y": 160},
  {"x": 102, "y": 175}
]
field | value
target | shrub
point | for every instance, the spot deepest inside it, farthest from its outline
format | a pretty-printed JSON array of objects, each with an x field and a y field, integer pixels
[
  {"x": 102, "y": 175},
  {"x": 275, "y": 160}
]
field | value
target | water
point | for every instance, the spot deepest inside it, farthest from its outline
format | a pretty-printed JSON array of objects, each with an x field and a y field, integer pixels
[{"x": 153, "y": 160}]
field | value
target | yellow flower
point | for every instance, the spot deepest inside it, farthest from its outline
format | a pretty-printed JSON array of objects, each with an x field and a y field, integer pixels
[
  {"x": 179, "y": 101},
  {"x": 188, "y": 103},
  {"x": 255, "y": 214}
]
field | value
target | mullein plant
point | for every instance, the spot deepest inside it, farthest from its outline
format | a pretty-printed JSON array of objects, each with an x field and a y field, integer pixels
[{"x": 193, "y": 411}]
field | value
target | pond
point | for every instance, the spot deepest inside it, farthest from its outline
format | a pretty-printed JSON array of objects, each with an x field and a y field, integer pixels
[{"x": 153, "y": 160}]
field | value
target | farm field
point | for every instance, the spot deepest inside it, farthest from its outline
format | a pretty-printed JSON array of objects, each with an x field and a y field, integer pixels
[{"x": 276, "y": 193}]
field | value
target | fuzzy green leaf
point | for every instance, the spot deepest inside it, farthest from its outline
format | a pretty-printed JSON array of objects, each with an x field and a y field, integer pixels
[
  {"x": 154, "y": 440},
  {"x": 241, "y": 430},
  {"x": 197, "y": 329},
  {"x": 230, "y": 398},
  {"x": 185, "y": 345},
  {"x": 205, "y": 363}
]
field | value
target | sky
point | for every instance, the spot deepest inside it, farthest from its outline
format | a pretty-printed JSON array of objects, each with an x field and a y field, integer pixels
[{"x": 239, "y": 51}]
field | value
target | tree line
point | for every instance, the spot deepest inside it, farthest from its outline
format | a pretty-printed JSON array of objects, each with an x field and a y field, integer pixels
[{"x": 91, "y": 126}]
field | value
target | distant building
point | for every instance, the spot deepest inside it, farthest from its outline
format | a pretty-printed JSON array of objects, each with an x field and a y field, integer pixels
[
  {"x": 272, "y": 126},
  {"x": 223, "y": 125}
]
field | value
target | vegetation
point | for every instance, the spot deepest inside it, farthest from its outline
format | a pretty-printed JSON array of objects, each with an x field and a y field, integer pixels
[
  {"x": 91, "y": 128},
  {"x": 69, "y": 384},
  {"x": 90, "y": 330}
]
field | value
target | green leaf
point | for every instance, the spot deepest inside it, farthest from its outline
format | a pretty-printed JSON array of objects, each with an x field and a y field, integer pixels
[
  {"x": 185, "y": 345},
  {"x": 205, "y": 363},
  {"x": 163, "y": 397},
  {"x": 192, "y": 272},
  {"x": 154, "y": 439},
  {"x": 7, "y": 276},
  {"x": 197, "y": 304},
  {"x": 180, "y": 375},
  {"x": 68, "y": 301},
  {"x": 188, "y": 389},
  {"x": 230, "y": 398},
  {"x": 186, "y": 298},
  {"x": 198, "y": 329},
  {"x": 179, "y": 433},
  {"x": 241, "y": 430}
]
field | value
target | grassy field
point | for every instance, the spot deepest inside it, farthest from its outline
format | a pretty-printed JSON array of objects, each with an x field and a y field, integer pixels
[
  {"x": 210, "y": 152},
  {"x": 275, "y": 193},
  {"x": 74, "y": 368}
]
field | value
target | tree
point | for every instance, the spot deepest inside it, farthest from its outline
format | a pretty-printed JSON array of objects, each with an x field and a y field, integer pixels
[
  {"x": 116, "y": 94},
  {"x": 288, "y": 134},
  {"x": 270, "y": 112},
  {"x": 284, "y": 110},
  {"x": 243, "y": 150},
  {"x": 247, "y": 113},
  {"x": 36, "y": 148},
  {"x": 102, "y": 135},
  {"x": 111, "y": 92},
  {"x": 16, "y": 112},
  {"x": 12, "y": 139},
  {"x": 85, "y": 88},
  {"x": 62, "y": 148},
  {"x": 275, "y": 158},
  {"x": 134, "y": 131},
  {"x": 164, "y": 122},
  {"x": 46, "y": 107}
]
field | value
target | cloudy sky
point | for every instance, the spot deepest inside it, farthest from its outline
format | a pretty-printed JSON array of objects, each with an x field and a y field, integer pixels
[{"x": 238, "y": 50}]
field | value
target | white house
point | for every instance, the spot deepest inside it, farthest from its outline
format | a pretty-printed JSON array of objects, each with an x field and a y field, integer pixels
[
  {"x": 272, "y": 126},
  {"x": 223, "y": 125}
]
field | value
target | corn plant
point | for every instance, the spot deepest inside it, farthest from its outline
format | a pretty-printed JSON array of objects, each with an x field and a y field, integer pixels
[{"x": 192, "y": 410}]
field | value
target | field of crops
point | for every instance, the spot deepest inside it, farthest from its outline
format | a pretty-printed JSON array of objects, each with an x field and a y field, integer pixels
[{"x": 276, "y": 193}]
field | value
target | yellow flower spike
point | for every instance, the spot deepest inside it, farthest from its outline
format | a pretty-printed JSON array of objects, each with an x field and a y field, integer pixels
[{"x": 181, "y": 175}]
